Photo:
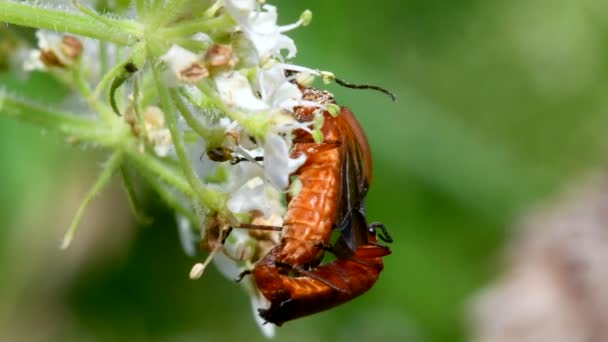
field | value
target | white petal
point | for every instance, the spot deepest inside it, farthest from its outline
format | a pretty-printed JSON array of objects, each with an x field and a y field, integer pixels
[
  {"x": 178, "y": 59},
  {"x": 286, "y": 43},
  {"x": 235, "y": 90},
  {"x": 287, "y": 96},
  {"x": 250, "y": 196},
  {"x": 33, "y": 62},
  {"x": 276, "y": 160},
  {"x": 258, "y": 301},
  {"x": 187, "y": 237},
  {"x": 48, "y": 40},
  {"x": 240, "y": 245},
  {"x": 240, "y": 8},
  {"x": 228, "y": 267},
  {"x": 294, "y": 164},
  {"x": 269, "y": 79}
]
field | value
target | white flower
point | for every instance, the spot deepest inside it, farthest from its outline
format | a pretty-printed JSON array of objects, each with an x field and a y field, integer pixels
[
  {"x": 54, "y": 50},
  {"x": 231, "y": 269},
  {"x": 235, "y": 91},
  {"x": 258, "y": 301},
  {"x": 260, "y": 27},
  {"x": 258, "y": 195},
  {"x": 184, "y": 66},
  {"x": 241, "y": 251},
  {"x": 276, "y": 90},
  {"x": 277, "y": 163}
]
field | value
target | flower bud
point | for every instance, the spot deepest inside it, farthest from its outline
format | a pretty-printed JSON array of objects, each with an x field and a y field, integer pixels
[
  {"x": 184, "y": 66},
  {"x": 220, "y": 55}
]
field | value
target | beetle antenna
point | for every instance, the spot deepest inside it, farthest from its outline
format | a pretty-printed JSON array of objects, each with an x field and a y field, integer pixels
[{"x": 366, "y": 86}]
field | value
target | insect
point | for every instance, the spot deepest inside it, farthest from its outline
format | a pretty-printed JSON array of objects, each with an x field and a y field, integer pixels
[
  {"x": 335, "y": 180},
  {"x": 325, "y": 286}
]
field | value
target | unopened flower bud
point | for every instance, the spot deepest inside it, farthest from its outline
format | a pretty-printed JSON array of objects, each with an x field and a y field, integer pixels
[
  {"x": 194, "y": 73},
  {"x": 50, "y": 59},
  {"x": 220, "y": 55},
  {"x": 71, "y": 47},
  {"x": 55, "y": 51},
  {"x": 184, "y": 65}
]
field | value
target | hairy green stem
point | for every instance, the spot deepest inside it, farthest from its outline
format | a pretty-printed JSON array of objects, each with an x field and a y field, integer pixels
[
  {"x": 210, "y": 198},
  {"x": 188, "y": 28},
  {"x": 169, "y": 197},
  {"x": 171, "y": 175},
  {"x": 85, "y": 90},
  {"x": 111, "y": 166},
  {"x": 215, "y": 100},
  {"x": 211, "y": 136},
  {"x": 73, "y": 126},
  {"x": 123, "y": 32},
  {"x": 129, "y": 186}
]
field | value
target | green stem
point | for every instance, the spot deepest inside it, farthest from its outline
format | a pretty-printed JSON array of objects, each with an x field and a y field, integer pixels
[
  {"x": 211, "y": 136},
  {"x": 129, "y": 186},
  {"x": 85, "y": 90},
  {"x": 149, "y": 163},
  {"x": 140, "y": 7},
  {"x": 255, "y": 125},
  {"x": 72, "y": 125},
  {"x": 211, "y": 198},
  {"x": 136, "y": 57},
  {"x": 113, "y": 164},
  {"x": 138, "y": 112},
  {"x": 104, "y": 63},
  {"x": 169, "y": 197},
  {"x": 166, "y": 12},
  {"x": 123, "y": 32},
  {"x": 188, "y": 28}
]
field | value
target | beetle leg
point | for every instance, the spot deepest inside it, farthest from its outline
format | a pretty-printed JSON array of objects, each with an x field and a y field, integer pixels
[
  {"x": 236, "y": 160},
  {"x": 383, "y": 235},
  {"x": 326, "y": 247},
  {"x": 243, "y": 275}
]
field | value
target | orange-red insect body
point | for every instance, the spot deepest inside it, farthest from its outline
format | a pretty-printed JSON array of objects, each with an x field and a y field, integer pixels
[
  {"x": 311, "y": 215},
  {"x": 322, "y": 288},
  {"x": 335, "y": 180}
]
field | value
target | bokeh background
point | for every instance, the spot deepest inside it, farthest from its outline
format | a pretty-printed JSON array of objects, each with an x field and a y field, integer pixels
[{"x": 501, "y": 104}]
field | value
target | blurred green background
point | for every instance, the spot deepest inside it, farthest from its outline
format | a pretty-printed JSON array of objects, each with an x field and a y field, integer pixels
[{"x": 500, "y": 104}]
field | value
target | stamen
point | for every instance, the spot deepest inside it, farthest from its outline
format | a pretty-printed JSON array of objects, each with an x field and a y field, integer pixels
[
  {"x": 304, "y": 20},
  {"x": 199, "y": 268}
]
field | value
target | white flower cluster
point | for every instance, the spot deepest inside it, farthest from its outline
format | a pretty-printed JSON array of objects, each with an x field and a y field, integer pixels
[{"x": 254, "y": 90}]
